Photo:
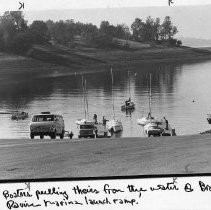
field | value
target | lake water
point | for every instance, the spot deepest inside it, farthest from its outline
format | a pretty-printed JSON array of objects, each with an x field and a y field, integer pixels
[{"x": 174, "y": 87}]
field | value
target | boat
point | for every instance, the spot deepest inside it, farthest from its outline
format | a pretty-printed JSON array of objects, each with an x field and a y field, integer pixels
[
  {"x": 129, "y": 105},
  {"x": 145, "y": 120},
  {"x": 209, "y": 118},
  {"x": 80, "y": 121},
  {"x": 19, "y": 115},
  {"x": 153, "y": 129},
  {"x": 101, "y": 131},
  {"x": 113, "y": 125}
]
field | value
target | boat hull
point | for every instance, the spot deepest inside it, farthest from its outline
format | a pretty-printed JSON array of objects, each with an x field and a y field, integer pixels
[
  {"x": 114, "y": 126},
  {"x": 131, "y": 106},
  {"x": 152, "y": 129},
  {"x": 145, "y": 120}
]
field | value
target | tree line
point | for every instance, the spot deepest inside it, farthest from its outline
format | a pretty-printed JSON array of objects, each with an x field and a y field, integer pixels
[{"x": 17, "y": 36}]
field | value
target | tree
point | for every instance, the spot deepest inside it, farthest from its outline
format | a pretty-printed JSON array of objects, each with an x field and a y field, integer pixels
[
  {"x": 168, "y": 30},
  {"x": 13, "y": 28},
  {"x": 39, "y": 31},
  {"x": 15, "y": 19},
  {"x": 137, "y": 26},
  {"x": 122, "y": 31},
  {"x": 157, "y": 29},
  {"x": 149, "y": 30}
]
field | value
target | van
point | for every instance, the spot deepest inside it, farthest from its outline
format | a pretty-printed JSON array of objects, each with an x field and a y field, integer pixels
[{"x": 47, "y": 124}]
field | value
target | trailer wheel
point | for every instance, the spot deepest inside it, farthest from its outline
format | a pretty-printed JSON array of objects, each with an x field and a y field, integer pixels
[{"x": 32, "y": 136}]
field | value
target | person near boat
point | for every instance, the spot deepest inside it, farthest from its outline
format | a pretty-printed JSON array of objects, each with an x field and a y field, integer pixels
[
  {"x": 127, "y": 102},
  {"x": 167, "y": 123},
  {"x": 95, "y": 118},
  {"x": 104, "y": 120}
]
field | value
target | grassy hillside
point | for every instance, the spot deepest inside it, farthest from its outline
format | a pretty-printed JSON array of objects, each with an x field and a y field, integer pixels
[
  {"x": 57, "y": 60},
  {"x": 82, "y": 56}
]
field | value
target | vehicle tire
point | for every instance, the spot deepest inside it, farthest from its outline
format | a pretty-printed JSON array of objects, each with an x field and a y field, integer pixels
[
  {"x": 32, "y": 136},
  {"x": 53, "y": 135},
  {"x": 41, "y": 136},
  {"x": 61, "y": 135}
]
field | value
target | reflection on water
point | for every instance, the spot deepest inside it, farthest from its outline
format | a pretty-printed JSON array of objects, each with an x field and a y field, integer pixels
[{"x": 174, "y": 87}]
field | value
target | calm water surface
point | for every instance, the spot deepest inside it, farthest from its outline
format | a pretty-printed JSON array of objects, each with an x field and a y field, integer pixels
[{"x": 174, "y": 87}]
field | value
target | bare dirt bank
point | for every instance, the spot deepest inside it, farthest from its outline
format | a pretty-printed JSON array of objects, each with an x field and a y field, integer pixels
[{"x": 60, "y": 61}]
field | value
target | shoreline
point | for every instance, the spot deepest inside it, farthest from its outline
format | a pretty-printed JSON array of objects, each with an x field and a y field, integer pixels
[{"x": 68, "y": 61}]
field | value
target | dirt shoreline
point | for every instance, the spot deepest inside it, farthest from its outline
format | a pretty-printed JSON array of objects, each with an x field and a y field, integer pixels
[{"x": 57, "y": 61}]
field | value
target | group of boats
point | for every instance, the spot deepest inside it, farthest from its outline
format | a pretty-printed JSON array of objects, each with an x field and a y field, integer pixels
[
  {"x": 152, "y": 126},
  {"x": 94, "y": 129}
]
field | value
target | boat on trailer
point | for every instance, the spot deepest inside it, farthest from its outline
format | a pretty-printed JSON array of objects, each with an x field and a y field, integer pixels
[
  {"x": 153, "y": 129},
  {"x": 159, "y": 128},
  {"x": 145, "y": 120},
  {"x": 114, "y": 126}
]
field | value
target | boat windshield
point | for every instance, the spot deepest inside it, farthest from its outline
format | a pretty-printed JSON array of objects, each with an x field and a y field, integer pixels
[{"x": 43, "y": 118}]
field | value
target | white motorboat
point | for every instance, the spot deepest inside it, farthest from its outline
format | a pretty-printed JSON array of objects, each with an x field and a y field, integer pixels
[
  {"x": 145, "y": 120},
  {"x": 114, "y": 126},
  {"x": 152, "y": 129},
  {"x": 80, "y": 121}
]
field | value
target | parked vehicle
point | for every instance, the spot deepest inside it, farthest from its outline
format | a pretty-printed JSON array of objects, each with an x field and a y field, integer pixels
[
  {"x": 152, "y": 129},
  {"x": 87, "y": 130},
  {"x": 47, "y": 124}
]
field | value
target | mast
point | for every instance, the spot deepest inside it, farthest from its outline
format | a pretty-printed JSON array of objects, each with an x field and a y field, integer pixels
[
  {"x": 129, "y": 83},
  {"x": 150, "y": 94},
  {"x": 86, "y": 100},
  {"x": 112, "y": 81},
  {"x": 82, "y": 82}
]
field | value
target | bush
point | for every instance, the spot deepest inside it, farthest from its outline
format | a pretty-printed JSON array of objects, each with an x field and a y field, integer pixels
[
  {"x": 104, "y": 41},
  {"x": 21, "y": 43}
]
